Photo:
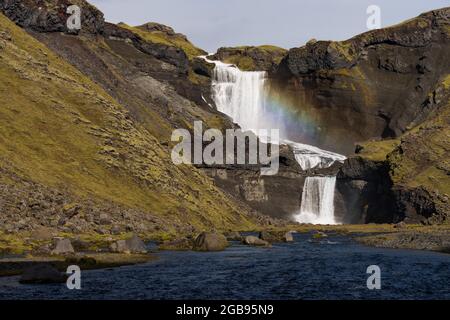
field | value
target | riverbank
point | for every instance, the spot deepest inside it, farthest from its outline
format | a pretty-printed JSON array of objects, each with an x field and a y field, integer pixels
[
  {"x": 22, "y": 251},
  {"x": 330, "y": 268},
  {"x": 91, "y": 261},
  {"x": 400, "y": 236},
  {"x": 19, "y": 252}
]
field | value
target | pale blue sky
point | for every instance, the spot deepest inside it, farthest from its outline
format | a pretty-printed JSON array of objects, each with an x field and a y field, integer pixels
[{"x": 211, "y": 24}]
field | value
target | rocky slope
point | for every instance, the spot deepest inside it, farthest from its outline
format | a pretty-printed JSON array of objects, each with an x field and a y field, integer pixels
[{"x": 84, "y": 126}]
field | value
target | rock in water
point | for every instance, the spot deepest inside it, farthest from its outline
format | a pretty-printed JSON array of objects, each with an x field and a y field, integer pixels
[
  {"x": 63, "y": 246},
  {"x": 289, "y": 237},
  {"x": 210, "y": 242},
  {"x": 42, "y": 274},
  {"x": 276, "y": 236},
  {"x": 132, "y": 245},
  {"x": 254, "y": 241}
]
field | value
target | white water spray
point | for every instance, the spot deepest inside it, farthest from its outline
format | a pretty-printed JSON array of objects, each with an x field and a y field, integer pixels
[
  {"x": 240, "y": 95},
  {"x": 318, "y": 201}
]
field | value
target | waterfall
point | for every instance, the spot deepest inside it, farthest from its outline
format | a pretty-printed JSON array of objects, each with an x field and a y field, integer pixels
[
  {"x": 310, "y": 157},
  {"x": 242, "y": 96},
  {"x": 317, "y": 205}
]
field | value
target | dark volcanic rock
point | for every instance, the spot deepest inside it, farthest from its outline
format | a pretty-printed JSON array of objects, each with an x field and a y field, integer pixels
[
  {"x": 366, "y": 189},
  {"x": 409, "y": 180},
  {"x": 372, "y": 85},
  {"x": 42, "y": 274},
  {"x": 50, "y": 15},
  {"x": 170, "y": 54},
  {"x": 202, "y": 67},
  {"x": 262, "y": 58},
  {"x": 433, "y": 241},
  {"x": 154, "y": 26},
  {"x": 370, "y": 196}
]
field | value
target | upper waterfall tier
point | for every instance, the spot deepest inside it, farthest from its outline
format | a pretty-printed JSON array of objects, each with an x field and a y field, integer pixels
[{"x": 242, "y": 95}]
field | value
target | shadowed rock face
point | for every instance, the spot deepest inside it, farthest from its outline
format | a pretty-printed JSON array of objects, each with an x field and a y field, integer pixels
[
  {"x": 373, "y": 85},
  {"x": 278, "y": 196},
  {"x": 405, "y": 180}
]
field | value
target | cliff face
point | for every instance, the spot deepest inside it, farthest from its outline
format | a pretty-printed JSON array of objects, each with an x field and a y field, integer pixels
[
  {"x": 85, "y": 125},
  {"x": 389, "y": 88},
  {"x": 373, "y": 85},
  {"x": 51, "y": 15},
  {"x": 411, "y": 174},
  {"x": 248, "y": 58}
]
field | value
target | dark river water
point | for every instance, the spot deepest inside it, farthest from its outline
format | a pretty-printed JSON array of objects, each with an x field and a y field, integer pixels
[{"x": 333, "y": 269}]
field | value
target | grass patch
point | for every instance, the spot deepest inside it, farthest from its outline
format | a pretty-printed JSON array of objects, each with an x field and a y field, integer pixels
[
  {"x": 60, "y": 129},
  {"x": 161, "y": 37},
  {"x": 378, "y": 150}
]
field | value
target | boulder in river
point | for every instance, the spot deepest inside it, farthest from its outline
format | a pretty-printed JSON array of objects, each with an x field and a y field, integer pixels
[
  {"x": 42, "y": 274},
  {"x": 276, "y": 236},
  {"x": 255, "y": 241},
  {"x": 131, "y": 245},
  {"x": 210, "y": 242}
]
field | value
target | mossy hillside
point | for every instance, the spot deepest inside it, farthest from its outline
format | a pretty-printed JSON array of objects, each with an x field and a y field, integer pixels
[
  {"x": 420, "y": 158},
  {"x": 165, "y": 111},
  {"x": 174, "y": 40},
  {"x": 60, "y": 129},
  {"x": 378, "y": 150}
]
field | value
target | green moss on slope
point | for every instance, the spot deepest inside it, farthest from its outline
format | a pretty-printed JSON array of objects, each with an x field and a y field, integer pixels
[
  {"x": 248, "y": 58},
  {"x": 60, "y": 129},
  {"x": 169, "y": 39},
  {"x": 421, "y": 157}
]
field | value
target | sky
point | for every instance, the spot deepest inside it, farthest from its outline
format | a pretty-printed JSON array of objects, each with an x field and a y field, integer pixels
[{"x": 211, "y": 24}]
